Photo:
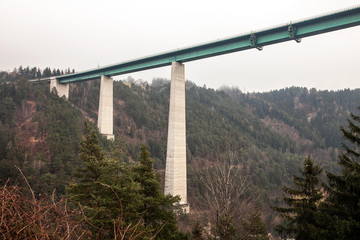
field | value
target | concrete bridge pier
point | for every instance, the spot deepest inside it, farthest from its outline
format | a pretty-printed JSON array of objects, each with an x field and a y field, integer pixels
[
  {"x": 175, "y": 173},
  {"x": 62, "y": 89},
  {"x": 105, "y": 116}
]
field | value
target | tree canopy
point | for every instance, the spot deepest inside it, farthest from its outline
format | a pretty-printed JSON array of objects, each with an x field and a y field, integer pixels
[{"x": 302, "y": 203}]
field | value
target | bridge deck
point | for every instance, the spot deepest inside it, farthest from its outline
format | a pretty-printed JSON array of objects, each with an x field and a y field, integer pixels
[{"x": 287, "y": 32}]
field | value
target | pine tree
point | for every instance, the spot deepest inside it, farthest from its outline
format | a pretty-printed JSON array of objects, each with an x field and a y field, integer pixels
[
  {"x": 85, "y": 191},
  {"x": 38, "y": 73},
  {"x": 46, "y": 72},
  {"x": 104, "y": 188},
  {"x": 119, "y": 150},
  {"x": 92, "y": 156},
  {"x": 300, "y": 217},
  {"x": 21, "y": 71},
  {"x": 157, "y": 210},
  {"x": 254, "y": 228},
  {"x": 225, "y": 228},
  {"x": 343, "y": 202},
  {"x": 197, "y": 232},
  {"x": 112, "y": 192}
]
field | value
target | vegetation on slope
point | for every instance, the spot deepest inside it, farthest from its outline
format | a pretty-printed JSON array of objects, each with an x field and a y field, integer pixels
[{"x": 267, "y": 134}]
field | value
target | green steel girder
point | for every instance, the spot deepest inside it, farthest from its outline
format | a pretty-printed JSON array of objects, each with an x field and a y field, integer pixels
[{"x": 292, "y": 31}]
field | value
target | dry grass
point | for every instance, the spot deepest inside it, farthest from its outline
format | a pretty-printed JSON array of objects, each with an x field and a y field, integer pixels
[{"x": 25, "y": 216}]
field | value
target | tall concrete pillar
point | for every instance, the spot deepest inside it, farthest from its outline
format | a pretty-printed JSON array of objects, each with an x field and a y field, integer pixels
[
  {"x": 105, "y": 116},
  {"x": 175, "y": 174},
  {"x": 62, "y": 89}
]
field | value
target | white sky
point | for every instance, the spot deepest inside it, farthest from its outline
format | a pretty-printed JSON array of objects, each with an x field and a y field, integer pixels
[{"x": 83, "y": 34}]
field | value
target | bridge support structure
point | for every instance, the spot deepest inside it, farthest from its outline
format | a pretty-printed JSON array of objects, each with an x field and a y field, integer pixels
[
  {"x": 175, "y": 173},
  {"x": 105, "y": 115},
  {"x": 62, "y": 89}
]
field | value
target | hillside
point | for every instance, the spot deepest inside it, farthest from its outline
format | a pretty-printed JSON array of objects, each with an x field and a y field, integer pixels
[
  {"x": 293, "y": 121},
  {"x": 267, "y": 134}
]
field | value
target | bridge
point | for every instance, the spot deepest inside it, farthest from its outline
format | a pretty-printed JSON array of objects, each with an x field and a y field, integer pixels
[{"x": 175, "y": 175}]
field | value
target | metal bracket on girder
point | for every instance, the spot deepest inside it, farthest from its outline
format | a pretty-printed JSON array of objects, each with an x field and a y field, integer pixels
[
  {"x": 253, "y": 42},
  {"x": 292, "y": 33}
]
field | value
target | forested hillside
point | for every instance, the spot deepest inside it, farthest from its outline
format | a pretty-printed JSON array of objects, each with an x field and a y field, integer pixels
[
  {"x": 263, "y": 136},
  {"x": 269, "y": 132}
]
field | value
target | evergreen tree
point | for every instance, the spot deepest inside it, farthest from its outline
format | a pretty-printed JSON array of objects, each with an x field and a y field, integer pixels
[
  {"x": 254, "y": 228},
  {"x": 302, "y": 212},
  {"x": 225, "y": 228},
  {"x": 157, "y": 210},
  {"x": 342, "y": 207},
  {"x": 197, "y": 232},
  {"x": 85, "y": 190},
  {"x": 46, "y": 72},
  {"x": 92, "y": 156},
  {"x": 119, "y": 150},
  {"x": 32, "y": 73},
  {"x": 104, "y": 188},
  {"x": 38, "y": 73},
  {"x": 111, "y": 191},
  {"x": 21, "y": 71}
]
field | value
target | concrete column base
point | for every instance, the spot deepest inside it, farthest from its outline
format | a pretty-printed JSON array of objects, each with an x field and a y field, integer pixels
[
  {"x": 185, "y": 207},
  {"x": 175, "y": 173},
  {"x": 105, "y": 116},
  {"x": 110, "y": 136},
  {"x": 62, "y": 89}
]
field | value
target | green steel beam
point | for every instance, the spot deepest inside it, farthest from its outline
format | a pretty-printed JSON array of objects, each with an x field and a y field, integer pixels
[{"x": 292, "y": 31}]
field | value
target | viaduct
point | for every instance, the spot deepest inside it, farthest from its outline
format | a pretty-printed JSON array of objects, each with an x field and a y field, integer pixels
[{"x": 175, "y": 174}]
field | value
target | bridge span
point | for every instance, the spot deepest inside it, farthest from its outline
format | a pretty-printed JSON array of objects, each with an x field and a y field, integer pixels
[{"x": 175, "y": 175}]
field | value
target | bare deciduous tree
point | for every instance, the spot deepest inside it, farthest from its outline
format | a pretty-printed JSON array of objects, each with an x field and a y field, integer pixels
[{"x": 226, "y": 193}]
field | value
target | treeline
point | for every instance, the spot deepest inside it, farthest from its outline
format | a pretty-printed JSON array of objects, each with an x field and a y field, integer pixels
[
  {"x": 316, "y": 115},
  {"x": 324, "y": 111},
  {"x": 33, "y": 73}
]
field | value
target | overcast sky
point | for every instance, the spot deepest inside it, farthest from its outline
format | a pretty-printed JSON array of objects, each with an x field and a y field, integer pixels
[{"x": 83, "y": 34}]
